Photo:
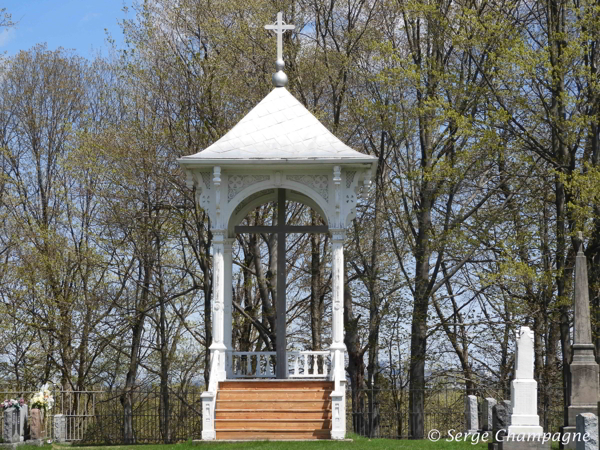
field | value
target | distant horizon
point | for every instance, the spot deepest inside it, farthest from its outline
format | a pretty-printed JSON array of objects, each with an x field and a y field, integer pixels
[{"x": 74, "y": 25}]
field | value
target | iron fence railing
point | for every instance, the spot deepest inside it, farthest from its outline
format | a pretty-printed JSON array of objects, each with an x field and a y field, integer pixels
[
  {"x": 385, "y": 413},
  {"x": 97, "y": 417}
]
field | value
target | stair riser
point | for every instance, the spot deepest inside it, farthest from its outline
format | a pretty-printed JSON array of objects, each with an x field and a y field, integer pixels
[
  {"x": 318, "y": 415},
  {"x": 273, "y": 395},
  {"x": 250, "y": 404},
  {"x": 273, "y": 425},
  {"x": 265, "y": 435},
  {"x": 266, "y": 385}
]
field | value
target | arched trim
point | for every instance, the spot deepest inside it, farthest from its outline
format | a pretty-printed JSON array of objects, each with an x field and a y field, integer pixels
[{"x": 296, "y": 192}]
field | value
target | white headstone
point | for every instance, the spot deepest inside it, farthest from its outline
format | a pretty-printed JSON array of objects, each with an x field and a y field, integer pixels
[
  {"x": 524, "y": 418},
  {"x": 60, "y": 428},
  {"x": 471, "y": 414},
  {"x": 587, "y": 429}
]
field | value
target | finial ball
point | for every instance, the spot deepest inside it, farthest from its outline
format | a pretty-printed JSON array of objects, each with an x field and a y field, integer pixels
[
  {"x": 279, "y": 64},
  {"x": 279, "y": 79}
]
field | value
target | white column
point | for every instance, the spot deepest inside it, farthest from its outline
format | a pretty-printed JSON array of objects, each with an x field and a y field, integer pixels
[
  {"x": 228, "y": 297},
  {"x": 337, "y": 267},
  {"x": 218, "y": 347},
  {"x": 338, "y": 348}
]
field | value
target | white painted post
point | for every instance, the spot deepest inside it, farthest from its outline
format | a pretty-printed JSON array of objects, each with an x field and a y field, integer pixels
[
  {"x": 218, "y": 346},
  {"x": 338, "y": 349},
  {"x": 208, "y": 417},
  {"x": 337, "y": 268},
  {"x": 227, "y": 308}
]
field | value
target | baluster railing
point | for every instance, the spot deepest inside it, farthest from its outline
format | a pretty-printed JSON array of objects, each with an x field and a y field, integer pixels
[
  {"x": 251, "y": 364},
  {"x": 302, "y": 362}
]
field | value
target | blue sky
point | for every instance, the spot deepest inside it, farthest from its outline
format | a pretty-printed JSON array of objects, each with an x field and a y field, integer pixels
[{"x": 72, "y": 24}]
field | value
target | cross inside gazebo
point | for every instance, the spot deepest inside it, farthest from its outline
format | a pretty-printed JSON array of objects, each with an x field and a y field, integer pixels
[{"x": 278, "y": 152}]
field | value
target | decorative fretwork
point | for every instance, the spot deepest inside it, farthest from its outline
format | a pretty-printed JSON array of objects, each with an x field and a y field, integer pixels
[
  {"x": 206, "y": 179},
  {"x": 238, "y": 183},
  {"x": 350, "y": 178},
  {"x": 251, "y": 198},
  {"x": 319, "y": 183}
]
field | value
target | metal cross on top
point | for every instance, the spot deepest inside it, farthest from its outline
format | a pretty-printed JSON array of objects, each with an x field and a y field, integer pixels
[{"x": 280, "y": 27}]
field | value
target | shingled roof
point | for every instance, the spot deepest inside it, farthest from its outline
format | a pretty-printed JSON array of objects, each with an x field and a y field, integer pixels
[{"x": 279, "y": 128}]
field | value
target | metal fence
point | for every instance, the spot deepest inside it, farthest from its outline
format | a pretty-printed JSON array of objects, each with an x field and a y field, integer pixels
[
  {"x": 97, "y": 417},
  {"x": 385, "y": 413}
]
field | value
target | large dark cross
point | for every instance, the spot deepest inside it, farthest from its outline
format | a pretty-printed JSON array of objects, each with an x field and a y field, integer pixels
[{"x": 281, "y": 229}]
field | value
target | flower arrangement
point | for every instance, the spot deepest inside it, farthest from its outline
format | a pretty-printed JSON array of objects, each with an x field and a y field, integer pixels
[
  {"x": 12, "y": 403},
  {"x": 43, "y": 399}
]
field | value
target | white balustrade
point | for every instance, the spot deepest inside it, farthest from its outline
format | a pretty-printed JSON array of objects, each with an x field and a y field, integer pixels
[
  {"x": 303, "y": 364},
  {"x": 251, "y": 364},
  {"x": 309, "y": 364}
]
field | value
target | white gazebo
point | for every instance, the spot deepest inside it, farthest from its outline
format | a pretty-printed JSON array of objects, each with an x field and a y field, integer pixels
[{"x": 279, "y": 151}]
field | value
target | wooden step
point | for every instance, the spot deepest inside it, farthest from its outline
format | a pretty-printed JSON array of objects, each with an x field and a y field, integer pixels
[
  {"x": 286, "y": 409},
  {"x": 274, "y": 404},
  {"x": 273, "y": 394},
  {"x": 285, "y": 384},
  {"x": 285, "y": 414},
  {"x": 272, "y": 434},
  {"x": 270, "y": 424}
]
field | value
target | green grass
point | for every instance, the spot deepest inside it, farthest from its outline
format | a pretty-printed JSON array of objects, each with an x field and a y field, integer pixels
[{"x": 357, "y": 443}]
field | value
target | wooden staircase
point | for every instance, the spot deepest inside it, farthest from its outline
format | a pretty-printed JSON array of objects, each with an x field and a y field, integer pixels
[{"x": 286, "y": 409}]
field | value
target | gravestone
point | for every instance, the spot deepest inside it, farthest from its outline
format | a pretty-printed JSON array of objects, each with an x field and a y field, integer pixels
[
  {"x": 500, "y": 422},
  {"x": 585, "y": 391},
  {"x": 587, "y": 423},
  {"x": 501, "y": 419},
  {"x": 524, "y": 431},
  {"x": 60, "y": 428},
  {"x": 36, "y": 424},
  {"x": 10, "y": 429},
  {"x": 24, "y": 423},
  {"x": 487, "y": 418},
  {"x": 524, "y": 418},
  {"x": 472, "y": 418}
]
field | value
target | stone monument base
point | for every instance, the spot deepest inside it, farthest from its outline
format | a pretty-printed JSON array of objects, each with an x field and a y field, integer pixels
[
  {"x": 520, "y": 442},
  {"x": 574, "y": 411},
  {"x": 14, "y": 445}
]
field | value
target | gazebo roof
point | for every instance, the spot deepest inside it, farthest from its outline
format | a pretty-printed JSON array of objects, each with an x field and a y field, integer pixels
[{"x": 277, "y": 130}]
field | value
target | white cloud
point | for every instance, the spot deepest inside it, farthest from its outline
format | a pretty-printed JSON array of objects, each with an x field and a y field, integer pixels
[{"x": 7, "y": 35}]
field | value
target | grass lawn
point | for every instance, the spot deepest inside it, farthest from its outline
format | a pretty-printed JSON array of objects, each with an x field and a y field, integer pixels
[{"x": 358, "y": 443}]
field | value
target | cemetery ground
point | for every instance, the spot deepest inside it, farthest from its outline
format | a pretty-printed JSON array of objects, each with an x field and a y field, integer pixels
[{"x": 357, "y": 443}]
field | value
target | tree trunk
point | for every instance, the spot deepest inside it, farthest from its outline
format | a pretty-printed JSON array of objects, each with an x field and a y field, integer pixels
[
  {"x": 418, "y": 340},
  {"x": 356, "y": 365},
  {"x": 136, "y": 341}
]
